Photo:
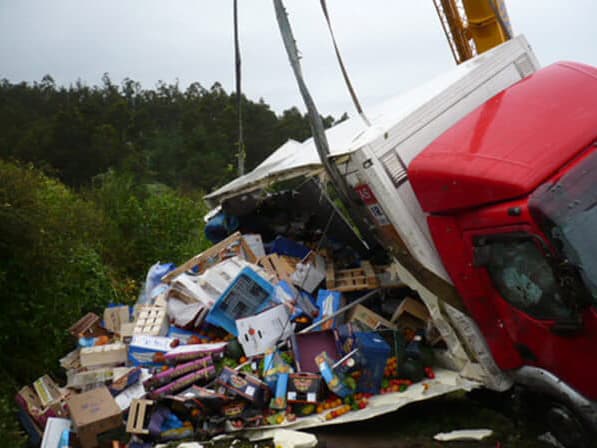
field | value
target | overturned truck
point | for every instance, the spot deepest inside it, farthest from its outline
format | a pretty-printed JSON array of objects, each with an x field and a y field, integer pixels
[
  {"x": 479, "y": 189},
  {"x": 462, "y": 257}
]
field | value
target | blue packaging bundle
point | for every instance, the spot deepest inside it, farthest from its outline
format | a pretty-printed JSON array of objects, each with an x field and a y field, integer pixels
[
  {"x": 373, "y": 353},
  {"x": 221, "y": 226},
  {"x": 153, "y": 286},
  {"x": 286, "y": 246}
]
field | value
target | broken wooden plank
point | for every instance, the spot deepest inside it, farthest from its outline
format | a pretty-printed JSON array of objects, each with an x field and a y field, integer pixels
[
  {"x": 369, "y": 273},
  {"x": 276, "y": 266},
  {"x": 231, "y": 246}
]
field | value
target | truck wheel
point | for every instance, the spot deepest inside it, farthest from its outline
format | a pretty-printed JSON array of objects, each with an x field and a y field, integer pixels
[{"x": 566, "y": 428}]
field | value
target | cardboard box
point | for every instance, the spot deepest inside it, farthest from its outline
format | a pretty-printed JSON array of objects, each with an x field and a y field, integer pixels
[
  {"x": 151, "y": 320},
  {"x": 306, "y": 346},
  {"x": 115, "y": 316},
  {"x": 126, "y": 331},
  {"x": 71, "y": 360},
  {"x": 143, "y": 349},
  {"x": 185, "y": 353},
  {"x": 262, "y": 331},
  {"x": 30, "y": 404},
  {"x": 47, "y": 391},
  {"x": 303, "y": 388},
  {"x": 53, "y": 432},
  {"x": 169, "y": 375},
  {"x": 411, "y": 314},
  {"x": 88, "y": 327},
  {"x": 77, "y": 379},
  {"x": 33, "y": 431},
  {"x": 104, "y": 354},
  {"x": 203, "y": 375},
  {"x": 93, "y": 413},
  {"x": 244, "y": 385},
  {"x": 255, "y": 242},
  {"x": 369, "y": 319},
  {"x": 310, "y": 272}
]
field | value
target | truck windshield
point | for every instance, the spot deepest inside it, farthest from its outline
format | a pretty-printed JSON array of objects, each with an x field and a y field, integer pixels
[{"x": 567, "y": 212}]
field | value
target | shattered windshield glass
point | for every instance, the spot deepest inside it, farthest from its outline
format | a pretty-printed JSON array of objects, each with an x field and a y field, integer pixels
[{"x": 567, "y": 211}]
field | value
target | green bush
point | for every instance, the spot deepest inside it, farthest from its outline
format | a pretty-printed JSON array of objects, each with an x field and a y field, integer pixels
[
  {"x": 51, "y": 270},
  {"x": 148, "y": 223},
  {"x": 11, "y": 433},
  {"x": 63, "y": 254}
]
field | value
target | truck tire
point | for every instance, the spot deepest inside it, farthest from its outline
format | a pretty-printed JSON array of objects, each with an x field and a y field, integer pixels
[{"x": 567, "y": 428}]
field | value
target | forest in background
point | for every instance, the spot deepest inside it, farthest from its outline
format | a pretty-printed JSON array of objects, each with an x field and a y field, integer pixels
[{"x": 96, "y": 185}]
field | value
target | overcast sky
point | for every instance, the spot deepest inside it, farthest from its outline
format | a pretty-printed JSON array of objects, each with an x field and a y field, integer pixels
[{"x": 388, "y": 45}]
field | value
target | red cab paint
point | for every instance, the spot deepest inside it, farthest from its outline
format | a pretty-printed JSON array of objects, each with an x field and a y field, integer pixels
[
  {"x": 512, "y": 143},
  {"x": 481, "y": 182}
]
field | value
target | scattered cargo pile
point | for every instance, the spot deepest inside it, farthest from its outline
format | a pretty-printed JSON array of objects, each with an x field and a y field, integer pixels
[{"x": 244, "y": 335}]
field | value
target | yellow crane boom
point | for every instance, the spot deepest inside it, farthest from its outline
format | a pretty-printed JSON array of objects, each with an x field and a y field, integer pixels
[{"x": 473, "y": 26}]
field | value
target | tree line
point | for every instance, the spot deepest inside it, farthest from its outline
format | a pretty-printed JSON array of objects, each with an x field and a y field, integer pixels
[{"x": 184, "y": 139}]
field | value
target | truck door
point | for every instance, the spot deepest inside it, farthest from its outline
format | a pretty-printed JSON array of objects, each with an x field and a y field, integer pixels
[{"x": 536, "y": 303}]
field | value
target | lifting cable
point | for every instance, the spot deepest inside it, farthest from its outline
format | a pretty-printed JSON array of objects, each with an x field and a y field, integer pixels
[
  {"x": 241, "y": 154},
  {"x": 347, "y": 196},
  {"x": 353, "y": 94}
]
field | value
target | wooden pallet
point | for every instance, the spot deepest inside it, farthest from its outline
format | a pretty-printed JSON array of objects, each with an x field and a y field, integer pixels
[
  {"x": 347, "y": 280},
  {"x": 137, "y": 413},
  {"x": 232, "y": 246},
  {"x": 280, "y": 267}
]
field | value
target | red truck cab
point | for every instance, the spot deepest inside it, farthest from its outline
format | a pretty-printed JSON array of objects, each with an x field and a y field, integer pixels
[{"x": 511, "y": 197}]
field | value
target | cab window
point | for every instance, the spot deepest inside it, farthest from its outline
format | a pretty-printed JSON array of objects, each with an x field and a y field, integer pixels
[{"x": 524, "y": 278}]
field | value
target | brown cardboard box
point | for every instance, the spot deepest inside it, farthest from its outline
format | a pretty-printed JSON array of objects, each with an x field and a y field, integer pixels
[
  {"x": 47, "y": 391},
  {"x": 88, "y": 326},
  {"x": 93, "y": 413},
  {"x": 98, "y": 355},
  {"x": 29, "y": 401},
  {"x": 116, "y": 316},
  {"x": 368, "y": 318},
  {"x": 411, "y": 314}
]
